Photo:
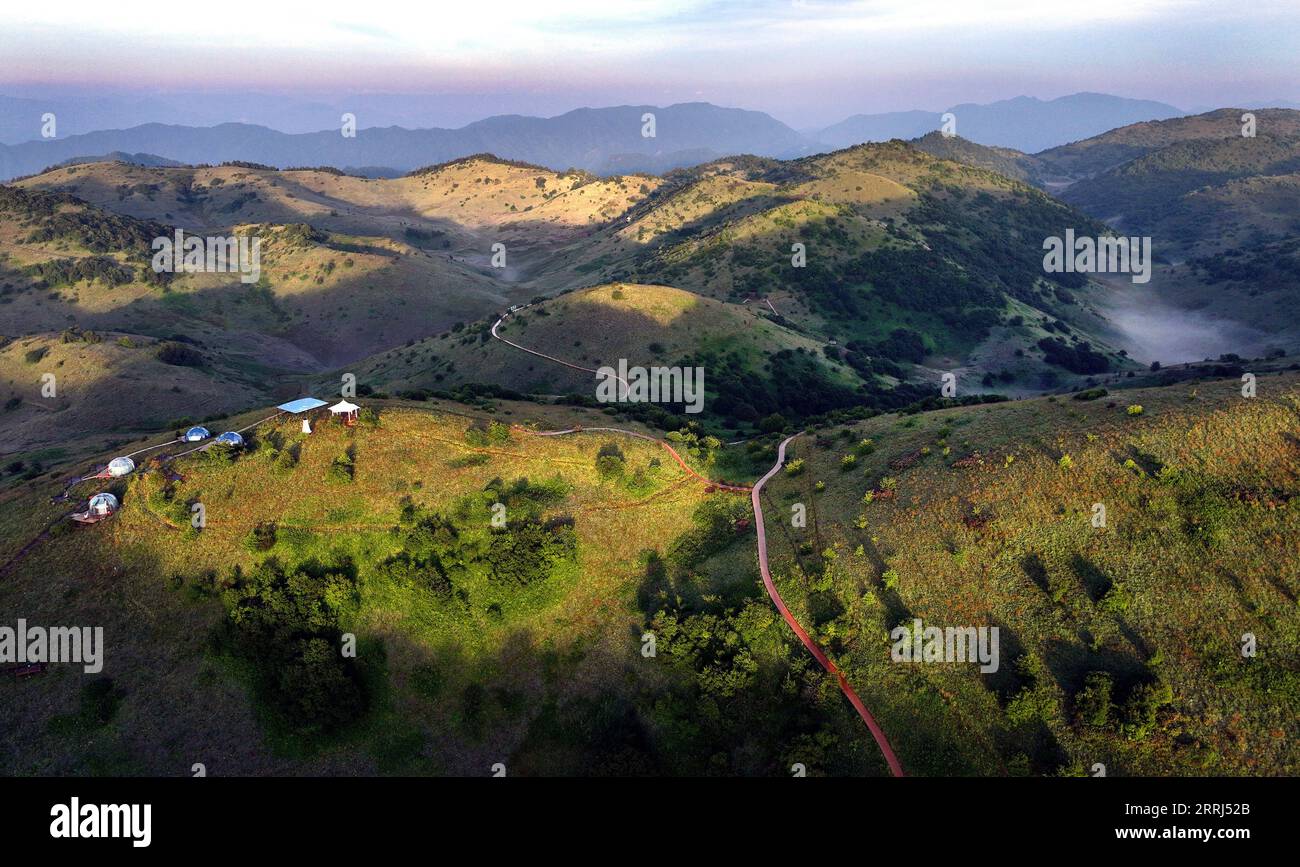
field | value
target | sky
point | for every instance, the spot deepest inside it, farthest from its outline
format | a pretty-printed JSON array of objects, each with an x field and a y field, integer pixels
[{"x": 806, "y": 62}]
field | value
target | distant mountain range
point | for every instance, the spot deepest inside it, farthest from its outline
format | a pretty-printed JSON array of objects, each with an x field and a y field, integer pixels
[
  {"x": 602, "y": 140},
  {"x": 1024, "y": 123}
]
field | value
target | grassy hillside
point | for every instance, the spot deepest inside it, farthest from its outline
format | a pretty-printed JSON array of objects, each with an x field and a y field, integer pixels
[
  {"x": 1005, "y": 161},
  {"x": 898, "y": 247},
  {"x": 1119, "y": 644},
  {"x": 904, "y": 268},
  {"x": 1200, "y": 196},
  {"x": 1095, "y": 155},
  {"x": 753, "y": 366},
  {"x": 1219, "y": 208},
  {"x": 477, "y": 644},
  {"x": 525, "y": 642},
  {"x": 458, "y": 208}
]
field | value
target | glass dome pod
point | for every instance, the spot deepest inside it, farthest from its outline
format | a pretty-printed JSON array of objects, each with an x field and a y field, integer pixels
[
  {"x": 102, "y": 504},
  {"x": 119, "y": 467}
]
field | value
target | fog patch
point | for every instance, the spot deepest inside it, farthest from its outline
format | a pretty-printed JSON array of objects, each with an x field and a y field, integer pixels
[{"x": 1153, "y": 330}]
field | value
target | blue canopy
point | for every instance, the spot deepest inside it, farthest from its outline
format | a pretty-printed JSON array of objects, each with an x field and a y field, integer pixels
[{"x": 302, "y": 404}]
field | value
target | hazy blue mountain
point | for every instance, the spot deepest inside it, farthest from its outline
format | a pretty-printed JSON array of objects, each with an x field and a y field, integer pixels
[
  {"x": 599, "y": 140},
  {"x": 20, "y": 114},
  {"x": 1024, "y": 123},
  {"x": 878, "y": 127}
]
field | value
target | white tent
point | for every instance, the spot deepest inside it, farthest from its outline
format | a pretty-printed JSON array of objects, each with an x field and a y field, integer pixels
[{"x": 346, "y": 411}]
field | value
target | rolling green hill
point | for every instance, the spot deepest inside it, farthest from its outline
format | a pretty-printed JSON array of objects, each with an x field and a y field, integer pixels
[
  {"x": 1092, "y": 156},
  {"x": 524, "y": 642},
  {"x": 753, "y": 366}
]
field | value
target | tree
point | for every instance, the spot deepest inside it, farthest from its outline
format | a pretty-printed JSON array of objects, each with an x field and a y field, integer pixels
[
  {"x": 1093, "y": 702},
  {"x": 610, "y": 461}
]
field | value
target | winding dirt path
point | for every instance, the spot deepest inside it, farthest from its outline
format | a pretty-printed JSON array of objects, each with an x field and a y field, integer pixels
[
  {"x": 507, "y": 314},
  {"x": 895, "y": 767}
]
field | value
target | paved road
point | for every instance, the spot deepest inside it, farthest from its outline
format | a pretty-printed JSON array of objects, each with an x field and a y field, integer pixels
[{"x": 876, "y": 732}]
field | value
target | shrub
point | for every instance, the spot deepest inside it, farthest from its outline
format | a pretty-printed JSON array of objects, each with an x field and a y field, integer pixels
[
  {"x": 1135, "y": 409},
  {"x": 1091, "y": 394},
  {"x": 221, "y": 453},
  {"x": 342, "y": 469},
  {"x": 610, "y": 461},
  {"x": 1082, "y": 358},
  {"x": 426, "y": 572},
  {"x": 1092, "y": 703},
  {"x": 179, "y": 354},
  {"x": 261, "y": 537},
  {"x": 286, "y": 460}
]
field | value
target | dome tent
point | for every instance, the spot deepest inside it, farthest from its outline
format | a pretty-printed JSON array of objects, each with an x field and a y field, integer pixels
[
  {"x": 230, "y": 438},
  {"x": 118, "y": 467},
  {"x": 197, "y": 434},
  {"x": 102, "y": 505}
]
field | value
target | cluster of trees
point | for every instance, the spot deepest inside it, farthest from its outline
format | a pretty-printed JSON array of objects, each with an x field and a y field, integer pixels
[
  {"x": 75, "y": 334},
  {"x": 300, "y": 235},
  {"x": 796, "y": 386},
  {"x": 1099, "y": 703},
  {"x": 1271, "y": 267},
  {"x": 283, "y": 624},
  {"x": 65, "y": 272},
  {"x": 438, "y": 550},
  {"x": 735, "y": 696},
  {"x": 97, "y": 230},
  {"x": 1080, "y": 358},
  {"x": 527, "y": 551},
  {"x": 426, "y": 238}
]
